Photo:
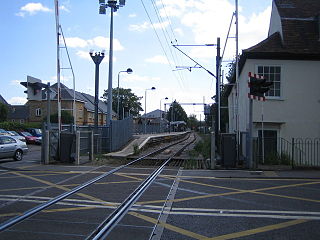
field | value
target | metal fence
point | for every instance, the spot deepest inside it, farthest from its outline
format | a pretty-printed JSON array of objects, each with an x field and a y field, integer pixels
[
  {"x": 278, "y": 151},
  {"x": 84, "y": 141}
]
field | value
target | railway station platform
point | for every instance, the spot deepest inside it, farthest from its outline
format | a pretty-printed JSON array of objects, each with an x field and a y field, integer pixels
[{"x": 142, "y": 140}]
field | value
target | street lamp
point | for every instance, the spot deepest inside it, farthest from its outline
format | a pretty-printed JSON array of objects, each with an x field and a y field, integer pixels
[
  {"x": 161, "y": 114},
  {"x": 97, "y": 59},
  {"x": 129, "y": 71},
  {"x": 112, "y": 4},
  {"x": 145, "y": 108}
]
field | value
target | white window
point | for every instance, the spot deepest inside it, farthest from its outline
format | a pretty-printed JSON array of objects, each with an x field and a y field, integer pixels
[
  {"x": 38, "y": 112},
  {"x": 272, "y": 74}
]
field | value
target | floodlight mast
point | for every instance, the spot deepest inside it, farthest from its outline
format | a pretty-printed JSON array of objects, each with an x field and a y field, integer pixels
[{"x": 114, "y": 6}]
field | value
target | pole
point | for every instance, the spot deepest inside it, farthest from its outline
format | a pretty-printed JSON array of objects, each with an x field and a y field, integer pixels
[
  {"x": 109, "y": 107},
  {"x": 237, "y": 81},
  {"x": 96, "y": 98},
  {"x": 48, "y": 107},
  {"x": 217, "y": 125},
  {"x": 262, "y": 132},
  {"x": 118, "y": 103},
  {"x": 145, "y": 111},
  {"x": 249, "y": 140},
  {"x": 58, "y": 73}
]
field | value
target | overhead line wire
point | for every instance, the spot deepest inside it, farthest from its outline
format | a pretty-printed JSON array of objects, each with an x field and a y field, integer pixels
[{"x": 164, "y": 31}]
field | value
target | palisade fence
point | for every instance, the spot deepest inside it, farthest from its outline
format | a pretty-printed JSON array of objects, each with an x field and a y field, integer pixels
[
  {"x": 83, "y": 142},
  {"x": 299, "y": 152}
]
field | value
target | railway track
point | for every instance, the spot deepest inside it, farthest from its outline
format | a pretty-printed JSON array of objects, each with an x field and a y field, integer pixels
[{"x": 162, "y": 158}]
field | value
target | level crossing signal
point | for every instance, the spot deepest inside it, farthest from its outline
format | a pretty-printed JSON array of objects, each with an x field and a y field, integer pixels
[{"x": 258, "y": 86}]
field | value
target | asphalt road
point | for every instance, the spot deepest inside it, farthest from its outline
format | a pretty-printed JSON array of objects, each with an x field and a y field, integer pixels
[{"x": 181, "y": 204}]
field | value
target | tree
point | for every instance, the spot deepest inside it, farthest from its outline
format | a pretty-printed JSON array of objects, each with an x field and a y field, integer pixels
[
  {"x": 176, "y": 113},
  {"x": 128, "y": 102},
  {"x": 192, "y": 122},
  {"x": 66, "y": 117},
  {"x": 3, "y": 112}
]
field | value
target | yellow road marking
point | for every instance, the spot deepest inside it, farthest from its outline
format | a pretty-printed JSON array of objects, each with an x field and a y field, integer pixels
[
  {"x": 258, "y": 230},
  {"x": 62, "y": 188},
  {"x": 168, "y": 226},
  {"x": 66, "y": 185},
  {"x": 171, "y": 227},
  {"x": 237, "y": 191},
  {"x": 127, "y": 176}
]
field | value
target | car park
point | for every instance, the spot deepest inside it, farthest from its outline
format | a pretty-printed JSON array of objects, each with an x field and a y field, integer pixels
[
  {"x": 11, "y": 147},
  {"x": 35, "y": 132},
  {"x": 3, "y": 132},
  {"x": 16, "y": 135},
  {"x": 29, "y": 138}
]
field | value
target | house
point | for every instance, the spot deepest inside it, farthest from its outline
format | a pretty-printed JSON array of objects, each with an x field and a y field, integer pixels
[
  {"x": 84, "y": 106},
  {"x": 289, "y": 58},
  {"x": 154, "y": 117},
  {"x": 16, "y": 113}
]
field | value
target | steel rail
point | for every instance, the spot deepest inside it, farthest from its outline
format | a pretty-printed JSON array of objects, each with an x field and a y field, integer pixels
[
  {"x": 31, "y": 212},
  {"x": 102, "y": 231}
]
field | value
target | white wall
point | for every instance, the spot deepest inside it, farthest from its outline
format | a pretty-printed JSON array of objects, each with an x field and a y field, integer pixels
[
  {"x": 297, "y": 112},
  {"x": 275, "y": 21}
]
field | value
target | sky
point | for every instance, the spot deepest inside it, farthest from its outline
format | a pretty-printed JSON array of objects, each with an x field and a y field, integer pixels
[{"x": 144, "y": 31}]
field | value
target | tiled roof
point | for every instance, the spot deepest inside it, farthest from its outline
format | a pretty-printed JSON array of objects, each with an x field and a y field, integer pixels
[
  {"x": 18, "y": 112},
  {"x": 300, "y": 29},
  {"x": 2, "y": 100},
  {"x": 297, "y": 8}
]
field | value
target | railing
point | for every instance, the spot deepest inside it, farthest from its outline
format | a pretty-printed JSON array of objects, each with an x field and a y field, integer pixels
[
  {"x": 86, "y": 141},
  {"x": 278, "y": 151}
]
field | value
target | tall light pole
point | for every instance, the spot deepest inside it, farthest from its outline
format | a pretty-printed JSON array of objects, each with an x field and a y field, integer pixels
[
  {"x": 97, "y": 59},
  {"x": 160, "y": 117},
  {"x": 112, "y": 4},
  {"x": 145, "y": 108},
  {"x": 129, "y": 71}
]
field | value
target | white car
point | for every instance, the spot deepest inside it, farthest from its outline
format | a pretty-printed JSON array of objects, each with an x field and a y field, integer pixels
[{"x": 11, "y": 147}]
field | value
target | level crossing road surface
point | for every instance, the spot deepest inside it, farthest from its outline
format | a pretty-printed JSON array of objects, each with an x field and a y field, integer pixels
[{"x": 180, "y": 204}]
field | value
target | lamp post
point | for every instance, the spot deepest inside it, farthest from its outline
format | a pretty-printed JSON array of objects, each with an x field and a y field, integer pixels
[
  {"x": 129, "y": 71},
  {"x": 160, "y": 117},
  {"x": 145, "y": 108},
  {"x": 112, "y": 4},
  {"x": 97, "y": 59}
]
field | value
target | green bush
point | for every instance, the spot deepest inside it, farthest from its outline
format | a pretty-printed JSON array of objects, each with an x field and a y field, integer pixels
[
  {"x": 14, "y": 126},
  {"x": 275, "y": 158}
]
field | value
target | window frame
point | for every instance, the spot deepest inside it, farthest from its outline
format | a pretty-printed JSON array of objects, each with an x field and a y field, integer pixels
[
  {"x": 38, "y": 112},
  {"x": 280, "y": 89}
]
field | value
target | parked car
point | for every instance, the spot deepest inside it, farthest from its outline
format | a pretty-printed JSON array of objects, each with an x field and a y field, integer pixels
[
  {"x": 35, "y": 132},
  {"x": 11, "y": 147},
  {"x": 3, "y": 132},
  {"x": 29, "y": 138},
  {"x": 16, "y": 135}
]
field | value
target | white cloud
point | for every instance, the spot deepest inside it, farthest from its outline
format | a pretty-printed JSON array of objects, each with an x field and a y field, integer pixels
[
  {"x": 206, "y": 22},
  {"x": 132, "y": 15},
  {"x": 97, "y": 42},
  {"x": 146, "y": 25},
  {"x": 158, "y": 59},
  {"x": 139, "y": 27},
  {"x": 17, "y": 100},
  {"x": 86, "y": 55},
  {"x": 16, "y": 82},
  {"x": 32, "y": 9},
  {"x": 64, "y": 8},
  {"x": 76, "y": 42}
]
